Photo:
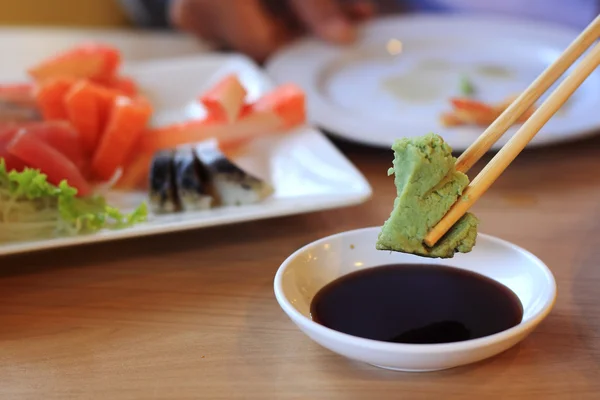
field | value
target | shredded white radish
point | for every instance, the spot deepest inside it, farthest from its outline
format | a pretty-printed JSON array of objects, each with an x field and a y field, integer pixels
[{"x": 104, "y": 187}]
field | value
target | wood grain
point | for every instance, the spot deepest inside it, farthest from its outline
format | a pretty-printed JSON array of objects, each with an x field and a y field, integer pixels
[{"x": 193, "y": 316}]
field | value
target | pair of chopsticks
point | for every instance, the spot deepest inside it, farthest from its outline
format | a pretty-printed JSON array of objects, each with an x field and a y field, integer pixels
[{"x": 528, "y": 130}]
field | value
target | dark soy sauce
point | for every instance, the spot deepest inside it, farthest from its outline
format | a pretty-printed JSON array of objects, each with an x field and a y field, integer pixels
[{"x": 415, "y": 303}]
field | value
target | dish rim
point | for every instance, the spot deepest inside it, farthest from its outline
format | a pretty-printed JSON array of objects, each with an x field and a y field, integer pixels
[{"x": 376, "y": 345}]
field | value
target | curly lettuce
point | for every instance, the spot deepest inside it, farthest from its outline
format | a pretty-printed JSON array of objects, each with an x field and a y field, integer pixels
[{"x": 33, "y": 208}]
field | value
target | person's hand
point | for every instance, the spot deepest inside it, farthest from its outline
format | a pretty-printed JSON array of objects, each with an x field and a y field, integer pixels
[{"x": 257, "y": 27}]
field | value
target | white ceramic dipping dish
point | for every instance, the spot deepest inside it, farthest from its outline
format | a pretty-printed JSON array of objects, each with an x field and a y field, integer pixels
[{"x": 310, "y": 268}]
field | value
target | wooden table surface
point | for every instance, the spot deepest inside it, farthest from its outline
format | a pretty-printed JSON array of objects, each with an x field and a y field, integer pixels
[{"x": 193, "y": 315}]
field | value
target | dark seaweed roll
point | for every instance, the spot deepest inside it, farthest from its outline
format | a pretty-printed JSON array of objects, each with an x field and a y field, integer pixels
[
  {"x": 189, "y": 180},
  {"x": 163, "y": 193},
  {"x": 231, "y": 185}
]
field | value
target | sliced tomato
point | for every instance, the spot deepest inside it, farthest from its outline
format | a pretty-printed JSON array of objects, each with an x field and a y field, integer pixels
[
  {"x": 249, "y": 128},
  {"x": 224, "y": 101},
  {"x": 40, "y": 155},
  {"x": 8, "y": 131},
  {"x": 104, "y": 99},
  {"x": 228, "y": 135},
  {"x": 288, "y": 101},
  {"x": 83, "y": 109},
  {"x": 275, "y": 112},
  {"x": 18, "y": 93},
  {"x": 177, "y": 128},
  {"x": 128, "y": 119},
  {"x": 475, "y": 112},
  {"x": 449, "y": 119},
  {"x": 94, "y": 61},
  {"x": 7, "y": 134},
  {"x": 246, "y": 110},
  {"x": 171, "y": 136},
  {"x": 11, "y": 162},
  {"x": 51, "y": 95},
  {"x": 124, "y": 85},
  {"x": 62, "y": 136},
  {"x": 470, "y": 105}
]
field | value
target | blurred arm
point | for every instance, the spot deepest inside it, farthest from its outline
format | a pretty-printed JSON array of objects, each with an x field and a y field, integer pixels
[{"x": 147, "y": 13}]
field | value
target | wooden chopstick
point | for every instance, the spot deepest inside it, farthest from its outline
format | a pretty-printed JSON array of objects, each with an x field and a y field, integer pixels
[
  {"x": 543, "y": 82},
  {"x": 516, "y": 144}
]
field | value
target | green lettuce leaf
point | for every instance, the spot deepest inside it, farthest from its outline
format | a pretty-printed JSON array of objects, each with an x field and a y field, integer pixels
[{"x": 31, "y": 207}]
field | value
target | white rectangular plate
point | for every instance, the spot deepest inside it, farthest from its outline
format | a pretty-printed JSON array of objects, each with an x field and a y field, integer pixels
[{"x": 307, "y": 172}]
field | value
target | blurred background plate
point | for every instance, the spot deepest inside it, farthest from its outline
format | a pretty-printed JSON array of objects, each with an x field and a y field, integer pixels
[{"x": 398, "y": 78}]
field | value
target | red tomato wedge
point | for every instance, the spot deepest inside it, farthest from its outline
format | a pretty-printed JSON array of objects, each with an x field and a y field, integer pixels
[
  {"x": 246, "y": 110},
  {"x": 106, "y": 98},
  {"x": 228, "y": 135},
  {"x": 178, "y": 128},
  {"x": 449, "y": 119},
  {"x": 11, "y": 162},
  {"x": 7, "y": 134},
  {"x": 18, "y": 93},
  {"x": 124, "y": 85},
  {"x": 471, "y": 105},
  {"x": 224, "y": 101},
  {"x": 252, "y": 127},
  {"x": 277, "y": 111},
  {"x": 60, "y": 135},
  {"x": 173, "y": 135},
  {"x": 98, "y": 62},
  {"x": 128, "y": 119},
  {"x": 40, "y": 155},
  {"x": 83, "y": 104},
  {"x": 50, "y": 97},
  {"x": 8, "y": 131},
  {"x": 288, "y": 101}
]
